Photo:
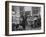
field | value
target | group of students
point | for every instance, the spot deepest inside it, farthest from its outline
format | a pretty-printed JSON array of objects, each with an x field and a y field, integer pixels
[{"x": 24, "y": 22}]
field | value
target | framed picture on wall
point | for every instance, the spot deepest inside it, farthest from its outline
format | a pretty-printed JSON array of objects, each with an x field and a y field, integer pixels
[{"x": 24, "y": 18}]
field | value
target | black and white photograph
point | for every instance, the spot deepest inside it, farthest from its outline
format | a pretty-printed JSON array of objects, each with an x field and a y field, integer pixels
[{"x": 25, "y": 18}]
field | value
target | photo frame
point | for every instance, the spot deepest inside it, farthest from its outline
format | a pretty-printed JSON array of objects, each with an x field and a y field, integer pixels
[{"x": 24, "y": 18}]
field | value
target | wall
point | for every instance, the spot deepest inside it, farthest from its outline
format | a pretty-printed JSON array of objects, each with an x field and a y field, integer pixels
[{"x": 2, "y": 19}]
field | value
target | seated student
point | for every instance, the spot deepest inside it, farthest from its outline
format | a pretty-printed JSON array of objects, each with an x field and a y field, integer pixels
[
  {"x": 23, "y": 23},
  {"x": 13, "y": 27},
  {"x": 37, "y": 23},
  {"x": 34, "y": 22}
]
